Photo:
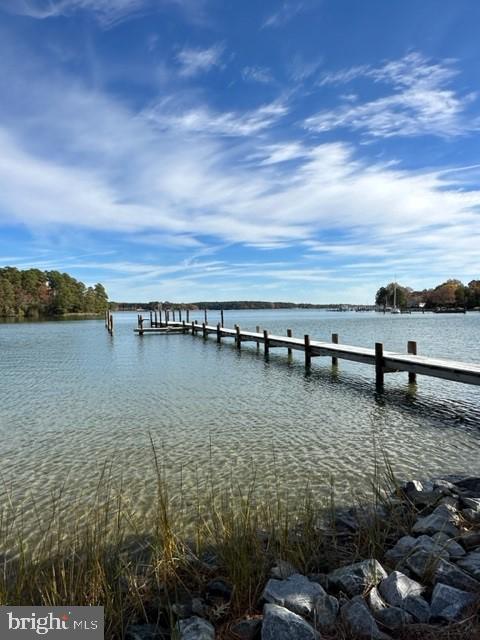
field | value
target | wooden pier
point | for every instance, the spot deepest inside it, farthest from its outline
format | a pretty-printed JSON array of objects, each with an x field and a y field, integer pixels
[{"x": 383, "y": 361}]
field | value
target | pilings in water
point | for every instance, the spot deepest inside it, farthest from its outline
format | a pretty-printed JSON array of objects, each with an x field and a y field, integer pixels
[
  {"x": 383, "y": 361},
  {"x": 109, "y": 322}
]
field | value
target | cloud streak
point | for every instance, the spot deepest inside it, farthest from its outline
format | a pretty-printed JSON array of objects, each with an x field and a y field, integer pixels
[{"x": 421, "y": 103}]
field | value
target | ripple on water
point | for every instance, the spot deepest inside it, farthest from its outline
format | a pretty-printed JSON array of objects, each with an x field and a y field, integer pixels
[{"x": 73, "y": 398}]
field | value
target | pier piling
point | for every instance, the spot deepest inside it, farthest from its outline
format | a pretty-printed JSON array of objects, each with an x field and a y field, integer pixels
[
  {"x": 335, "y": 341},
  {"x": 412, "y": 349},
  {"x": 379, "y": 365}
]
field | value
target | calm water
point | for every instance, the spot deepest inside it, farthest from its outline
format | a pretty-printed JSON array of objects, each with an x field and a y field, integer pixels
[{"x": 73, "y": 397}]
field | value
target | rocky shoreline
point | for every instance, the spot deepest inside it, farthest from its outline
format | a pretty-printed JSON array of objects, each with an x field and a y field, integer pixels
[{"x": 426, "y": 584}]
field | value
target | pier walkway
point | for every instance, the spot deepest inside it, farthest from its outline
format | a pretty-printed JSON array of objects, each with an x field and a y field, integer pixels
[{"x": 383, "y": 361}]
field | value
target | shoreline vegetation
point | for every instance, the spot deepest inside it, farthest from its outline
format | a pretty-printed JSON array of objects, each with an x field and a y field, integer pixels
[
  {"x": 451, "y": 294},
  {"x": 401, "y": 563},
  {"x": 32, "y": 293}
]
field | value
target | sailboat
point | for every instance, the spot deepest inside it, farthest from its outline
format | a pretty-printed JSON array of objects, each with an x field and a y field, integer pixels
[{"x": 395, "y": 309}]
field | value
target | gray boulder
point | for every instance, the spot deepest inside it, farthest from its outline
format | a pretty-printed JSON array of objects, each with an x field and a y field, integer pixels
[
  {"x": 397, "y": 587},
  {"x": 195, "y": 628},
  {"x": 443, "y": 518},
  {"x": 355, "y": 579},
  {"x": 432, "y": 547},
  {"x": 472, "y": 515},
  {"x": 360, "y": 622},
  {"x": 401, "y": 591},
  {"x": 422, "y": 493},
  {"x": 471, "y": 503},
  {"x": 454, "y": 576},
  {"x": 469, "y": 486},
  {"x": 471, "y": 564},
  {"x": 417, "y": 607},
  {"x": 402, "y": 548},
  {"x": 454, "y": 549},
  {"x": 325, "y": 612},
  {"x": 470, "y": 540},
  {"x": 450, "y": 604},
  {"x": 247, "y": 629},
  {"x": 281, "y": 624},
  {"x": 375, "y": 601},
  {"x": 422, "y": 563},
  {"x": 296, "y": 593},
  {"x": 394, "y": 618}
]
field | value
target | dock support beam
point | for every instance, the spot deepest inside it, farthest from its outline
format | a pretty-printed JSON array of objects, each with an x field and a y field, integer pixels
[
  {"x": 257, "y": 330},
  {"x": 188, "y": 316},
  {"x": 289, "y": 351},
  {"x": 221, "y": 317},
  {"x": 238, "y": 340},
  {"x": 308, "y": 352},
  {"x": 219, "y": 334},
  {"x": 205, "y": 316},
  {"x": 379, "y": 365},
  {"x": 204, "y": 330},
  {"x": 412, "y": 349},
  {"x": 335, "y": 341},
  {"x": 266, "y": 343}
]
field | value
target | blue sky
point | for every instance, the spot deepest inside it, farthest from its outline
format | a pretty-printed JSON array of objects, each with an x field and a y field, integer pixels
[{"x": 304, "y": 150}]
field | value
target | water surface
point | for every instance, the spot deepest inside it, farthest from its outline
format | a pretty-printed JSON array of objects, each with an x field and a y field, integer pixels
[{"x": 73, "y": 397}]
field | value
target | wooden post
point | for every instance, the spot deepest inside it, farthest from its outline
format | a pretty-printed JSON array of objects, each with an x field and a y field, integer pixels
[
  {"x": 219, "y": 334},
  {"x": 140, "y": 319},
  {"x": 335, "y": 341},
  {"x": 266, "y": 345},
  {"x": 111, "y": 325},
  {"x": 289, "y": 335},
  {"x": 205, "y": 316},
  {"x": 151, "y": 319},
  {"x": 221, "y": 317},
  {"x": 238, "y": 340},
  {"x": 173, "y": 312},
  {"x": 204, "y": 329},
  {"x": 106, "y": 318},
  {"x": 412, "y": 349},
  {"x": 379, "y": 368},
  {"x": 193, "y": 328},
  {"x": 308, "y": 353},
  {"x": 180, "y": 315},
  {"x": 156, "y": 319},
  {"x": 184, "y": 326},
  {"x": 257, "y": 330},
  {"x": 188, "y": 316}
]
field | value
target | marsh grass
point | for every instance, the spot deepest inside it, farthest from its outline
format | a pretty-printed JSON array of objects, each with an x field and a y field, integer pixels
[{"x": 137, "y": 567}]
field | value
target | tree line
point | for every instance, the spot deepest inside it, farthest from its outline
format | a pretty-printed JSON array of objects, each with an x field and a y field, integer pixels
[
  {"x": 35, "y": 293},
  {"x": 449, "y": 294},
  {"x": 216, "y": 306}
]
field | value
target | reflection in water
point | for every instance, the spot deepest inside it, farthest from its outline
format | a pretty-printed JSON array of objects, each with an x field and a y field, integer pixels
[{"x": 73, "y": 397}]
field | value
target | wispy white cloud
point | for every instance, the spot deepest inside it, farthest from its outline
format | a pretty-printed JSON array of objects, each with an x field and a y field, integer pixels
[
  {"x": 300, "y": 69},
  {"x": 194, "y": 61},
  {"x": 108, "y": 12},
  {"x": 169, "y": 114},
  {"x": 421, "y": 103},
  {"x": 77, "y": 159},
  {"x": 257, "y": 74},
  {"x": 288, "y": 10}
]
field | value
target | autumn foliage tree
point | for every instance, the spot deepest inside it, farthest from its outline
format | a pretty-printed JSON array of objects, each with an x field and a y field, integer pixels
[{"x": 43, "y": 293}]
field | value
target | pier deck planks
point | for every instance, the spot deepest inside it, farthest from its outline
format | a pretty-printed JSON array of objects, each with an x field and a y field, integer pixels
[{"x": 468, "y": 373}]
